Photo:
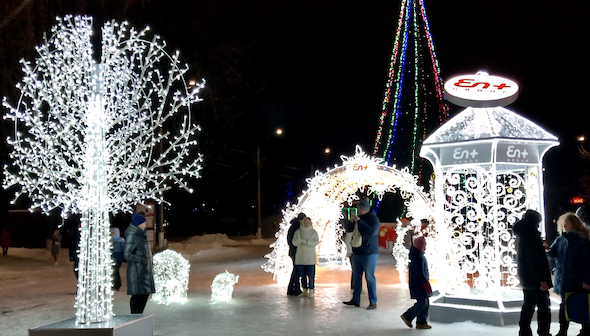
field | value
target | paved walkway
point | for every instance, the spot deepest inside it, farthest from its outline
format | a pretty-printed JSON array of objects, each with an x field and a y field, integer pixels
[{"x": 258, "y": 306}]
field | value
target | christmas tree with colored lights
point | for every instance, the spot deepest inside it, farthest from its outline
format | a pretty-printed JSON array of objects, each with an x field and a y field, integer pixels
[{"x": 413, "y": 104}]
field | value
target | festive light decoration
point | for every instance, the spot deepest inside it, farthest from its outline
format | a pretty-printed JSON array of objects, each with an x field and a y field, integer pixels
[
  {"x": 323, "y": 202},
  {"x": 488, "y": 163},
  {"x": 94, "y": 138},
  {"x": 400, "y": 252},
  {"x": 171, "y": 273},
  {"x": 412, "y": 92},
  {"x": 222, "y": 287}
]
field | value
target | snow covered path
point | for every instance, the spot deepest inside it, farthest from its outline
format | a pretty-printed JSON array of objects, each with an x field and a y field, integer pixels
[{"x": 34, "y": 292}]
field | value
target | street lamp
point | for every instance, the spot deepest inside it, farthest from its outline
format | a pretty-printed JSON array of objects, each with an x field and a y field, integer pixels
[{"x": 279, "y": 132}]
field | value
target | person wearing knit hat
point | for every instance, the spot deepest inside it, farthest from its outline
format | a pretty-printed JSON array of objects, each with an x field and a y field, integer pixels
[
  {"x": 419, "y": 283},
  {"x": 306, "y": 239},
  {"x": 138, "y": 253},
  {"x": 137, "y": 219},
  {"x": 420, "y": 243},
  {"x": 364, "y": 204}
]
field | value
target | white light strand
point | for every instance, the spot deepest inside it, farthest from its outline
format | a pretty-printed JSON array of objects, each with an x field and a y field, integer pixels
[
  {"x": 171, "y": 275},
  {"x": 86, "y": 133},
  {"x": 400, "y": 251}
]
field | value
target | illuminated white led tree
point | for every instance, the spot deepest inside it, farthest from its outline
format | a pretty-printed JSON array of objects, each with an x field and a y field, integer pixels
[
  {"x": 323, "y": 201},
  {"x": 171, "y": 274},
  {"x": 98, "y": 137},
  {"x": 488, "y": 163}
]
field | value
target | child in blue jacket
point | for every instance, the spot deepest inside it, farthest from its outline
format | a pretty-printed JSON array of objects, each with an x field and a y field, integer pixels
[{"x": 118, "y": 258}]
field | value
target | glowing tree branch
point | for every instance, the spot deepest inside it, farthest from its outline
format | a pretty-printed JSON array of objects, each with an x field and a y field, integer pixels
[{"x": 86, "y": 134}]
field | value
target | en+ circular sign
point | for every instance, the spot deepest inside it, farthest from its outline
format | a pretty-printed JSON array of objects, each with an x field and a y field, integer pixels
[{"x": 480, "y": 90}]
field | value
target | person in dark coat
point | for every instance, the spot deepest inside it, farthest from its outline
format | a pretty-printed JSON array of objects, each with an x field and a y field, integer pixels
[
  {"x": 294, "y": 283},
  {"x": 534, "y": 274},
  {"x": 419, "y": 283},
  {"x": 570, "y": 252},
  {"x": 74, "y": 232},
  {"x": 5, "y": 240},
  {"x": 140, "y": 276},
  {"x": 366, "y": 255},
  {"x": 55, "y": 245},
  {"x": 348, "y": 227}
]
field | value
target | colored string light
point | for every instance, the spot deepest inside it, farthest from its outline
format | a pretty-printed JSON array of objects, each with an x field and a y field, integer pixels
[{"x": 413, "y": 28}]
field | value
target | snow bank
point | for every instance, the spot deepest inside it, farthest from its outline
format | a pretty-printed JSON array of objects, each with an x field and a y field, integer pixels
[
  {"x": 195, "y": 246},
  {"x": 212, "y": 243},
  {"x": 40, "y": 254}
]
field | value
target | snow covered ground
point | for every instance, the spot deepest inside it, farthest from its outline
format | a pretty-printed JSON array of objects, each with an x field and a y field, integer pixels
[{"x": 34, "y": 292}]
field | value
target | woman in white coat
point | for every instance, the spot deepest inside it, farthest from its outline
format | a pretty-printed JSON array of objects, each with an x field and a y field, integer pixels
[{"x": 306, "y": 239}]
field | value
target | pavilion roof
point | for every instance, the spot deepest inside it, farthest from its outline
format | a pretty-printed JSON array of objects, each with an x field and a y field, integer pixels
[{"x": 487, "y": 123}]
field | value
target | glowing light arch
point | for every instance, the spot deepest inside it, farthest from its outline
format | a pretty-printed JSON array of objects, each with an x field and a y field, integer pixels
[{"x": 323, "y": 200}]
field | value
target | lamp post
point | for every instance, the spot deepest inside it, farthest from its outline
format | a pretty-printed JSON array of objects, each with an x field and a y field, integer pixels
[
  {"x": 259, "y": 231},
  {"x": 279, "y": 132}
]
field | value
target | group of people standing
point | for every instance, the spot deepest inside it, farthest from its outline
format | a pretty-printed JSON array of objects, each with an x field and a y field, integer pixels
[
  {"x": 570, "y": 256},
  {"x": 303, "y": 239}
]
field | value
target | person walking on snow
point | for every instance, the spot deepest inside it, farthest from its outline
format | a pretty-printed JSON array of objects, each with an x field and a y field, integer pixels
[
  {"x": 55, "y": 245},
  {"x": 140, "y": 276},
  {"x": 419, "y": 283},
  {"x": 306, "y": 239},
  {"x": 5, "y": 239},
  {"x": 534, "y": 274}
]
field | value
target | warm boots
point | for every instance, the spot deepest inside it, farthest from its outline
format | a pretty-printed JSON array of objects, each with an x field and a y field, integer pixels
[
  {"x": 310, "y": 293},
  {"x": 304, "y": 293},
  {"x": 563, "y": 329}
]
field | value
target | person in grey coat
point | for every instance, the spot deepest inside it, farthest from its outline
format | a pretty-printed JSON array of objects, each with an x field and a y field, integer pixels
[{"x": 140, "y": 276}]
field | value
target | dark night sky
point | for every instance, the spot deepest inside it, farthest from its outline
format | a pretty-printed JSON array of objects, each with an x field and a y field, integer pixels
[
  {"x": 329, "y": 64},
  {"x": 324, "y": 66}
]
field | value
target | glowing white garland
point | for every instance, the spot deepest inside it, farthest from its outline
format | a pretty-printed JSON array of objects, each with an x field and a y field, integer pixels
[
  {"x": 171, "y": 274},
  {"x": 400, "y": 251},
  {"x": 323, "y": 199},
  {"x": 85, "y": 137},
  {"x": 222, "y": 287}
]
